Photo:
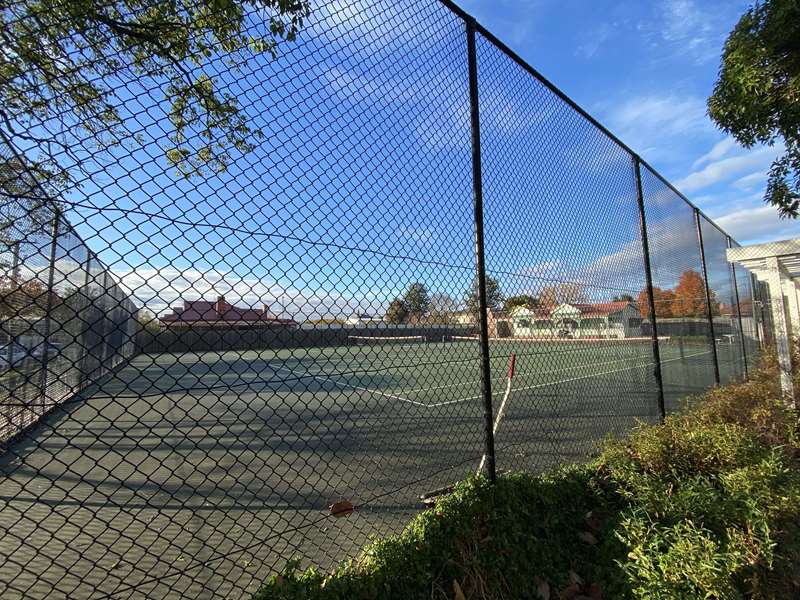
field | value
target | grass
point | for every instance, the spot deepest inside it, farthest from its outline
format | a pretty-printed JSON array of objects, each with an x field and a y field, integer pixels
[{"x": 706, "y": 505}]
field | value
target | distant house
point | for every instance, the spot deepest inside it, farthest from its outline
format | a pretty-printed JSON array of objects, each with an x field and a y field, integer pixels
[
  {"x": 498, "y": 323},
  {"x": 579, "y": 320},
  {"x": 462, "y": 317},
  {"x": 219, "y": 314},
  {"x": 362, "y": 320}
]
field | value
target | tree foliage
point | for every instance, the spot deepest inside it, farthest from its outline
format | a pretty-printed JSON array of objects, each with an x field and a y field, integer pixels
[
  {"x": 494, "y": 297},
  {"x": 662, "y": 299},
  {"x": 27, "y": 207},
  {"x": 569, "y": 292},
  {"x": 523, "y": 300},
  {"x": 23, "y": 298},
  {"x": 442, "y": 307},
  {"x": 757, "y": 95},
  {"x": 148, "y": 321},
  {"x": 690, "y": 296},
  {"x": 396, "y": 313},
  {"x": 416, "y": 300},
  {"x": 67, "y": 68}
]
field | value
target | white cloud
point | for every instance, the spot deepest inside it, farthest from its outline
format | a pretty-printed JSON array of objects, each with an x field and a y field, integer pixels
[
  {"x": 160, "y": 288},
  {"x": 727, "y": 168},
  {"x": 683, "y": 20},
  {"x": 758, "y": 224},
  {"x": 516, "y": 20},
  {"x": 694, "y": 29},
  {"x": 752, "y": 181},
  {"x": 593, "y": 40},
  {"x": 720, "y": 149},
  {"x": 664, "y": 120}
]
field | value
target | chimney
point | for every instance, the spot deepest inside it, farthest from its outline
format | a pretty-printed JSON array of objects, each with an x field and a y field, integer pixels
[
  {"x": 220, "y": 306},
  {"x": 266, "y": 310}
]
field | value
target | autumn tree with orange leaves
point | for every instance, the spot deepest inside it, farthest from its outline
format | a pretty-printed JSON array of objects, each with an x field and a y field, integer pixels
[
  {"x": 690, "y": 297},
  {"x": 662, "y": 299}
]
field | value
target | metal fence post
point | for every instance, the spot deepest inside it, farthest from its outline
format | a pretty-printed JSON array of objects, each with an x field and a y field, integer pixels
[
  {"x": 15, "y": 262},
  {"x": 708, "y": 296},
  {"x": 14, "y": 285},
  {"x": 739, "y": 312},
  {"x": 49, "y": 303},
  {"x": 480, "y": 264},
  {"x": 649, "y": 279}
]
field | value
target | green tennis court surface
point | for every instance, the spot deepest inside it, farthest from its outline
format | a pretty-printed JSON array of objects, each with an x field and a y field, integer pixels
[{"x": 191, "y": 471}]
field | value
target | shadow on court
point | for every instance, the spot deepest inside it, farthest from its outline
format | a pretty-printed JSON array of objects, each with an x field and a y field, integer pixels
[{"x": 199, "y": 475}]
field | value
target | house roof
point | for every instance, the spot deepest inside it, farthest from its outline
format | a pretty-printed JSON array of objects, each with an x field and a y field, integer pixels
[
  {"x": 603, "y": 308},
  {"x": 585, "y": 309},
  {"x": 205, "y": 312}
]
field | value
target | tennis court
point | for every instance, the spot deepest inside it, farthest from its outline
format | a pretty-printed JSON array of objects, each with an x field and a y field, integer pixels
[{"x": 206, "y": 471}]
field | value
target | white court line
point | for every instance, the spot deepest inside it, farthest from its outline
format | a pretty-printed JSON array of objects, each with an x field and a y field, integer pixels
[
  {"x": 541, "y": 385},
  {"x": 450, "y": 385},
  {"x": 355, "y": 387},
  {"x": 522, "y": 389}
]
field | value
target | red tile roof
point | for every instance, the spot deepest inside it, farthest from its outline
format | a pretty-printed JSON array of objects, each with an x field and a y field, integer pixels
[
  {"x": 602, "y": 308},
  {"x": 204, "y": 313}
]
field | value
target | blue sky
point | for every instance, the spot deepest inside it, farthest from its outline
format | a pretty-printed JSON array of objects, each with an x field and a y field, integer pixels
[
  {"x": 362, "y": 184},
  {"x": 644, "y": 69}
]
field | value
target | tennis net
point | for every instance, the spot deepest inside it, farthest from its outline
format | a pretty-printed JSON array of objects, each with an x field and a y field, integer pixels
[{"x": 385, "y": 340}]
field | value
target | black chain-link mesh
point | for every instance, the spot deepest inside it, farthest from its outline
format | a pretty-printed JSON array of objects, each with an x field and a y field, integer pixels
[
  {"x": 679, "y": 292},
  {"x": 202, "y": 375},
  {"x": 728, "y": 338},
  {"x": 563, "y": 237}
]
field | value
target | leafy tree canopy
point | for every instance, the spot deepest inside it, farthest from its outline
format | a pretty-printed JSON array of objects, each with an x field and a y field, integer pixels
[
  {"x": 690, "y": 296},
  {"x": 757, "y": 95},
  {"x": 662, "y": 299},
  {"x": 396, "y": 313},
  {"x": 65, "y": 65},
  {"x": 524, "y": 300},
  {"x": 416, "y": 299},
  {"x": 569, "y": 292},
  {"x": 494, "y": 297}
]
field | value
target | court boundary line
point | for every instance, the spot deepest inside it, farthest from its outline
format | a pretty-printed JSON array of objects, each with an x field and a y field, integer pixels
[
  {"x": 460, "y": 400},
  {"x": 351, "y": 386},
  {"x": 606, "y": 362},
  {"x": 541, "y": 385}
]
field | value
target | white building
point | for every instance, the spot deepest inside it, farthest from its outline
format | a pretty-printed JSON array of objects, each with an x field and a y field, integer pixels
[
  {"x": 363, "y": 320},
  {"x": 578, "y": 320},
  {"x": 777, "y": 266}
]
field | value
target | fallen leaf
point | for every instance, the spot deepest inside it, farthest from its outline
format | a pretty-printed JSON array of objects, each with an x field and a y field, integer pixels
[
  {"x": 542, "y": 588},
  {"x": 587, "y": 537},
  {"x": 343, "y": 508},
  {"x": 457, "y": 593}
]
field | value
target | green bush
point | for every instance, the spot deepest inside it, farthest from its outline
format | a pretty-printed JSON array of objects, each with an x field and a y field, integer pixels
[{"x": 706, "y": 505}]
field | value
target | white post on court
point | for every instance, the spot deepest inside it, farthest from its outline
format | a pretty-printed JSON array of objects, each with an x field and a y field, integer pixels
[{"x": 502, "y": 411}]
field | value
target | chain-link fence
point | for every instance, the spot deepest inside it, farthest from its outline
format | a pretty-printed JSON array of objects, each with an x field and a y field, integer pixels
[
  {"x": 429, "y": 262},
  {"x": 65, "y": 322}
]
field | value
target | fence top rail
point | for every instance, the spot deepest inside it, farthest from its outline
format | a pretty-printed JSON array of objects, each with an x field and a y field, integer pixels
[{"x": 455, "y": 8}]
